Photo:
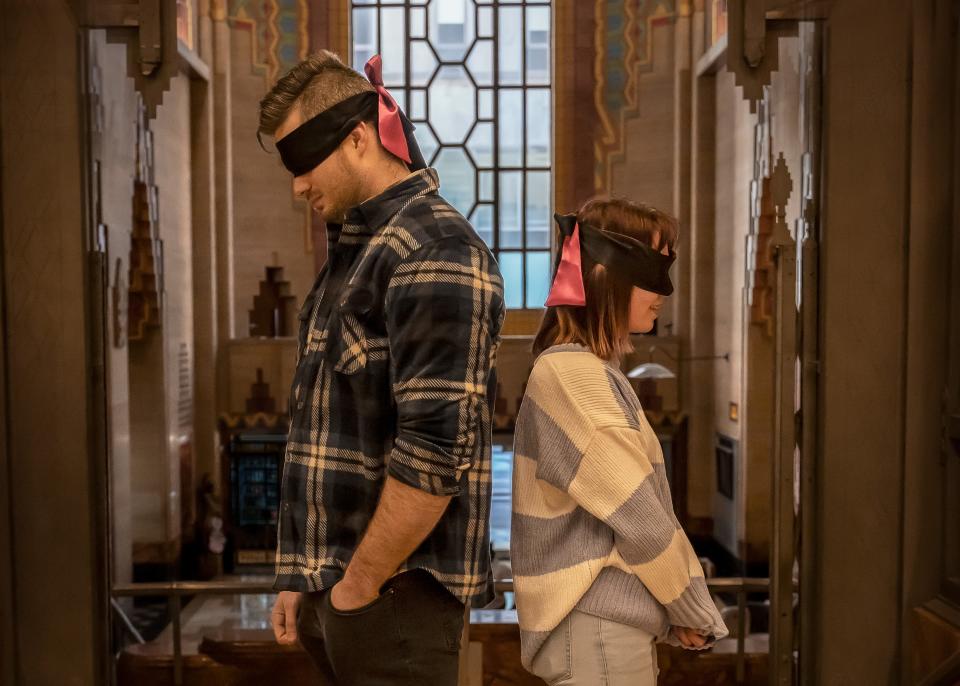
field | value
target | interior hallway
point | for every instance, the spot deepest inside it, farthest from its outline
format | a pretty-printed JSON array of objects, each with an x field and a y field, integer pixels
[{"x": 154, "y": 260}]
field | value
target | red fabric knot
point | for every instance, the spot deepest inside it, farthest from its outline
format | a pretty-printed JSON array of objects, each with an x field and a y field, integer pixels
[
  {"x": 391, "y": 127},
  {"x": 567, "y": 286}
]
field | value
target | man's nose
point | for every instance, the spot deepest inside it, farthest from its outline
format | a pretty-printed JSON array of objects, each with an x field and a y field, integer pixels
[{"x": 300, "y": 186}]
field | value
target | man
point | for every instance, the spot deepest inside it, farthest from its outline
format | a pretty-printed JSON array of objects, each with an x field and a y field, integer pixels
[{"x": 383, "y": 534}]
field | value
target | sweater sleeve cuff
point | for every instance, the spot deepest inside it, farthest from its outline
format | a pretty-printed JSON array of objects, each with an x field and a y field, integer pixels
[{"x": 696, "y": 610}]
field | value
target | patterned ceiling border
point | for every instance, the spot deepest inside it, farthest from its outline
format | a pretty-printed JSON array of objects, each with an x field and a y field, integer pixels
[
  {"x": 624, "y": 50},
  {"x": 279, "y": 32}
]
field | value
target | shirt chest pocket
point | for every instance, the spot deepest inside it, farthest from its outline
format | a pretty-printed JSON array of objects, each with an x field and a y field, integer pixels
[{"x": 361, "y": 343}]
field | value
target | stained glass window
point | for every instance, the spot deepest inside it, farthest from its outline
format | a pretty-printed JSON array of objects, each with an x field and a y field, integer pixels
[{"x": 474, "y": 76}]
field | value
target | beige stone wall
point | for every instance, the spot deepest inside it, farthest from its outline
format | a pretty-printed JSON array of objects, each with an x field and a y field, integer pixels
[
  {"x": 150, "y": 404},
  {"x": 734, "y": 170},
  {"x": 277, "y": 360},
  {"x": 645, "y": 170},
  {"x": 116, "y": 151},
  {"x": 161, "y": 383},
  {"x": 733, "y": 159},
  {"x": 149, "y": 467},
  {"x": 270, "y": 226},
  {"x": 172, "y": 169},
  {"x": 514, "y": 362}
]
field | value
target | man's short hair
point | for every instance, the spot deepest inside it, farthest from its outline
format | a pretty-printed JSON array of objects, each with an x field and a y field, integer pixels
[{"x": 316, "y": 84}]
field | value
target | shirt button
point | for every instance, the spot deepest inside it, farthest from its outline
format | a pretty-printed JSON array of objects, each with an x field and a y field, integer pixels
[{"x": 300, "y": 405}]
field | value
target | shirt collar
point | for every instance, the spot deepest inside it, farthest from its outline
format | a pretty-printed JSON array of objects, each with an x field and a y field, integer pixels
[{"x": 368, "y": 217}]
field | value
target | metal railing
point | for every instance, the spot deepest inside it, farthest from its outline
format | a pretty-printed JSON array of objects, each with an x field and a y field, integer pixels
[{"x": 174, "y": 591}]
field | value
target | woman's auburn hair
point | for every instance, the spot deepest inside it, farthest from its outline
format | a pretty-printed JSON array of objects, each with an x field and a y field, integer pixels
[{"x": 603, "y": 325}]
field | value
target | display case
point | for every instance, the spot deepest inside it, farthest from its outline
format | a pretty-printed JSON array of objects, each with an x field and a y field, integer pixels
[{"x": 255, "y": 466}]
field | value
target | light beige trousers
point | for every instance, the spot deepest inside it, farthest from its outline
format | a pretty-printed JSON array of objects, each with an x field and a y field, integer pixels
[{"x": 589, "y": 651}]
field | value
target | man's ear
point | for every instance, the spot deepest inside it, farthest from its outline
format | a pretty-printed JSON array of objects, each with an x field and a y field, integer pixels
[{"x": 362, "y": 137}]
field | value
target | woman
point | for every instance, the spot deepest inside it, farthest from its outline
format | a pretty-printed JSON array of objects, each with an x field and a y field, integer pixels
[{"x": 602, "y": 569}]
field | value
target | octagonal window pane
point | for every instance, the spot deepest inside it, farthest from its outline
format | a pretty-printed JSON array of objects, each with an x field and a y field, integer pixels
[
  {"x": 422, "y": 63},
  {"x": 480, "y": 62},
  {"x": 451, "y": 27},
  {"x": 426, "y": 140},
  {"x": 452, "y": 104},
  {"x": 480, "y": 144},
  {"x": 457, "y": 178}
]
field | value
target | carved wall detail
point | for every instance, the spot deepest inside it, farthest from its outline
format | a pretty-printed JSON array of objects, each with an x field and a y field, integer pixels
[
  {"x": 145, "y": 294},
  {"x": 273, "y": 307},
  {"x": 769, "y": 193},
  {"x": 184, "y": 389},
  {"x": 119, "y": 305},
  {"x": 260, "y": 399},
  {"x": 752, "y": 51}
]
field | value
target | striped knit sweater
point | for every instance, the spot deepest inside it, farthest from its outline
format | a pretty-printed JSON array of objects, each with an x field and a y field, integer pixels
[{"x": 593, "y": 525}]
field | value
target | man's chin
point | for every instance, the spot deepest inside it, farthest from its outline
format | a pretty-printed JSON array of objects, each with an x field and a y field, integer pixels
[{"x": 332, "y": 217}]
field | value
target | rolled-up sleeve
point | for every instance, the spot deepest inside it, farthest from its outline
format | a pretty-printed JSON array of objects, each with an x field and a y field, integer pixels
[{"x": 444, "y": 310}]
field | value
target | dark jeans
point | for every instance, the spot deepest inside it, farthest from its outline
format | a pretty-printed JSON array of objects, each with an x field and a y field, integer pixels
[{"x": 408, "y": 636}]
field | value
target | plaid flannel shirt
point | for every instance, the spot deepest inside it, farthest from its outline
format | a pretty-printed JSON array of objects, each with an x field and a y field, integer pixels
[{"x": 394, "y": 377}]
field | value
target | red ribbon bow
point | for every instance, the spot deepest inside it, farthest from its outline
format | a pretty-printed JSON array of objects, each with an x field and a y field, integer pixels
[
  {"x": 392, "y": 136},
  {"x": 567, "y": 286}
]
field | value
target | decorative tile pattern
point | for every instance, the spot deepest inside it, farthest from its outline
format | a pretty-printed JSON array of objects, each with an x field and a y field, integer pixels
[
  {"x": 280, "y": 33},
  {"x": 624, "y": 36}
]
